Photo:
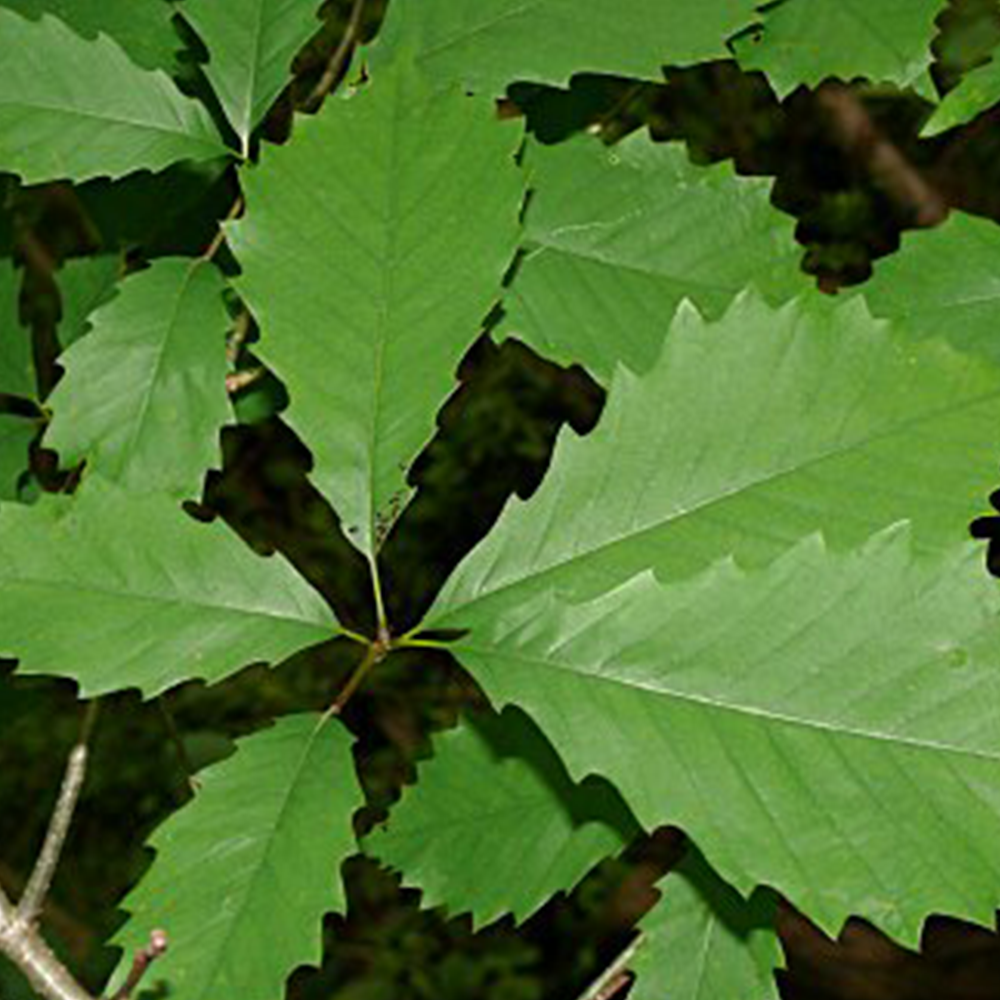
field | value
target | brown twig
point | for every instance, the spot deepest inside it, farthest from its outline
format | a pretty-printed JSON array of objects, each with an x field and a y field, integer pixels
[
  {"x": 614, "y": 977},
  {"x": 143, "y": 959},
  {"x": 178, "y": 744},
  {"x": 220, "y": 236},
  {"x": 862, "y": 139},
  {"x": 338, "y": 59},
  {"x": 238, "y": 381}
]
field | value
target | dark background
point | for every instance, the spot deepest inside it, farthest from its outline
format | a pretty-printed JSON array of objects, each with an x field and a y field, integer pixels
[{"x": 495, "y": 437}]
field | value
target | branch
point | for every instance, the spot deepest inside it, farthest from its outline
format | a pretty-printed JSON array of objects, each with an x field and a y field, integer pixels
[
  {"x": 860, "y": 137},
  {"x": 142, "y": 961},
  {"x": 33, "y": 897},
  {"x": 614, "y": 978},
  {"x": 20, "y": 940},
  {"x": 336, "y": 64}
]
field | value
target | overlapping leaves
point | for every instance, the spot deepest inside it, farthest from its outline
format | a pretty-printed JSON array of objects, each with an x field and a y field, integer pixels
[
  {"x": 125, "y": 119},
  {"x": 803, "y": 42},
  {"x": 496, "y": 800},
  {"x": 616, "y": 237},
  {"x": 776, "y": 687},
  {"x": 251, "y": 44}
]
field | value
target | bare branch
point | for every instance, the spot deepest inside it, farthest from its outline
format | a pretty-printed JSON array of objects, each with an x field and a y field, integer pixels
[
  {"x": 614, "y": 977},
  {"x": 861, "y": 138},
  {"x": 339, "y": 58},
  {"x": 142, "y": 961},
  {"x": 20, "y": 940},
  {"x": 33, "y": 897}
]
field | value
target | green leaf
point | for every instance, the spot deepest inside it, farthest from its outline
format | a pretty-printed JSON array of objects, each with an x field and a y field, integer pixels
[
  {"x": 85, "y": 284},
  {"x": 161, "y": 598},
  {"x": 124, "y": 119},
  {"x": 978, "y": 90},
  {"x": 490, "y": 44},
  {"x": 749, "y": 434},
  {"x": 496, "y": 801},
  {"x": 251, "y": 44},
  {"x": 16, "y": 434},
  {"x": 245, "y": 872},
  {"x": 144, "y": 396},
  {"x": 17, "y": 369},
  {"x": 944, "y": 282},
  {"x": 397, "y": 209},
  {"x": 142, "y": 28},
  {"x": 617, "y": 236},
  {"x": 816, "y": 726},
  {"x": 703, "y": 941},
  {"x": 807, "y": 41}
]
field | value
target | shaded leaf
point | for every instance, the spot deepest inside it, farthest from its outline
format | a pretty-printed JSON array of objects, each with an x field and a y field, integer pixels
[
  {"x": 816, "y": 726},
  {"x": 251, "y": 44},
  {"x": 978, "y": 90},
  {"x": 124, "y": 119},
  {"x": 17, "y": 369},
  {"x": 617, "y": 236},
  {"x": 747, "y": 435},
  {"x": 16, "y": 434},
  {"x": 162, "y": 597},
  {"x": 398, "y": 209},
  {"x": 493, "y": 43},
  {"x": 496, "y": 801},
  {"x": 85, "y": 284},
  {"x": 141, "y": 27},
  {"x": 245, "y": 872},
  {"x": 144, "y": 396},
  {"x": 807, "y": 41},
  {"x": 703, "y": 941},
  {"x": 944, "y": 282}
]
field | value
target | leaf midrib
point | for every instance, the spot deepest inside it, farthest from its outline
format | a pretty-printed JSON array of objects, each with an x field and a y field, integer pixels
[
  {"x": 748, "y": 711},
  {"x": 675, "y": 516},
  {"x": 24, "y": 583}
]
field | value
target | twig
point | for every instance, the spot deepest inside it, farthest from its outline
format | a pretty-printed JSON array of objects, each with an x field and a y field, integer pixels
[
  {"x": 238, "y": 381},
  {"x": 377, "y": 651},
  {"x": 143, "y": 959},
  {"x": 220, "y": 236},
  {"x": 33, "y": 897},
  {"x": 334, "y": 67},
  {"x": 178, "y": 743},
  {"x": 20, "y": 940},
  {"x": 614, "y": 977},
  {"x": 859, "y": 136}
]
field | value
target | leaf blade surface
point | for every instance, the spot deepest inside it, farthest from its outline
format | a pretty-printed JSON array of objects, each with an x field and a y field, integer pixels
[
  {"x": 403, "y": 260},
  {"x": 496, "y": 801},
  {"x": 144, "y": 398},
  {"x": 245, "y": 873},
  {"x": 125, "y": 119},
  {"x": 164, "y": 598},
  {"x": 834, "y": 704},
  {"x": 618, "y": 236},
  {"x": 493, "y": 43},
  {"x": 251, "y": 45}
]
